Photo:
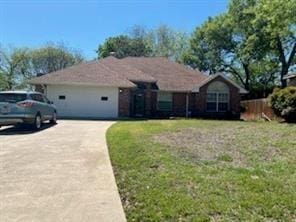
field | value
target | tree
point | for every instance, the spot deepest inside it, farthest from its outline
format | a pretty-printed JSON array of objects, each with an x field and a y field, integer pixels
[
  {"x": 243, "y": 39},
  {"x": 276, "y": 20},
  {"x": 220, "y": 45},
  {"x": 138, "y": 32},
  {"x": 206, "y": 44},
  {"x": 264, "y": 78},
  {"x": 167, "y": 42},
  {"x": 20, "y": 64},
  {"x": 139, "y": 41},
  {"x": 53, "y": 57},
  {"x": 123, "y": 46},
  {"x": 14, "y": 66}
]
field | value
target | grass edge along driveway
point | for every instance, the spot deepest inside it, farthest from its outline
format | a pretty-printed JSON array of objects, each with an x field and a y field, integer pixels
[{"x": 202, "y": 170}]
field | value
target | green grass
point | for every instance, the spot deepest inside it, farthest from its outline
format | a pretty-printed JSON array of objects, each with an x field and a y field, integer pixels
[{"x": 227, "y": 171}]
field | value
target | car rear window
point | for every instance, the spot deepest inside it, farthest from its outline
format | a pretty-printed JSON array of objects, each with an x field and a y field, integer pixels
[{"x": 12, "y": 97}]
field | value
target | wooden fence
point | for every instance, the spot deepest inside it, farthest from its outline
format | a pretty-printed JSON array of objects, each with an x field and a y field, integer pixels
[{"x": 256, "y": 109}]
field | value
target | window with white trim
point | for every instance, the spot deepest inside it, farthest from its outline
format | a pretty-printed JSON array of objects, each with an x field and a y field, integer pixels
[
  {"x": 164, "y": 101},
  {"x": 217, "y": 97}
]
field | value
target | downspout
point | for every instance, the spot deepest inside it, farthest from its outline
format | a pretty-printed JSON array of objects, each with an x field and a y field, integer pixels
[{"x": 187, "y": 105}]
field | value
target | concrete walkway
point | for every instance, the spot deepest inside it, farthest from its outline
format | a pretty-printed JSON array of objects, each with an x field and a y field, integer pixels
[{"x": 62, "y": 173}]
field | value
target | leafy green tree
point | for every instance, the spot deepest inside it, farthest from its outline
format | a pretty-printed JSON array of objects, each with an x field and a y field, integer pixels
[
  {"x": 207, "y": 42},
  {"x": 264, "y": 77},
  {"x": 139, "y": 41},
  {"x": 220, "y": 45},
  {"x": 14, "y": 66},
  {"x": 20, "y": 64},
  {"x": 2, "y": 82},
  {"x": 276, "y": 20},
  {"x": 53, "y": 57},
  {"x": 123, "y": 46},
  {"x": 250, "y": 34},
  {"x": 138, "y": 32},
  {"x": 167, "y": 42}
]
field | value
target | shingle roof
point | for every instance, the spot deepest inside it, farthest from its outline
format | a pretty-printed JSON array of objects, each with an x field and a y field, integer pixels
[
  {"x": 127, "y": 71},
  {"x": 211, "y": 77},
  {"x": 90, "y": 73},
  {"x": 168, "y": 75}
]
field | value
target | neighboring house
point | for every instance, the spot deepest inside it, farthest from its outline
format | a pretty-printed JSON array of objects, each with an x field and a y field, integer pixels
[
  {"x": 139, "y": 87},
  {"x": 291, "y": 79}
]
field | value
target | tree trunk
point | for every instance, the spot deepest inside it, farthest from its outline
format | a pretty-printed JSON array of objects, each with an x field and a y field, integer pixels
[
  {"x": 247, "y": 73},
  {"x": 284, "y": 71},
  {"x": 285, "y": 64}
]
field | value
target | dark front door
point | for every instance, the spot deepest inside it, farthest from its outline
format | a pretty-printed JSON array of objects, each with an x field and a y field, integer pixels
[{"x": 139, "y": 104}]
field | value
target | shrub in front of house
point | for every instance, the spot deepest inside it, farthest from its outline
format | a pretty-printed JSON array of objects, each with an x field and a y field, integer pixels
[{"x": 283, "y": 102}]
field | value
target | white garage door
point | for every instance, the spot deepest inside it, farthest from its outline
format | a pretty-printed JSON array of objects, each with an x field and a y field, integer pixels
[{"x": 84, "y": 101}]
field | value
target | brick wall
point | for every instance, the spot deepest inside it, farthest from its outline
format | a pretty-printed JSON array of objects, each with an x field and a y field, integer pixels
[
  {"x": 234, "y": 100},
  {"x": 148, "y": 100},
  {"x": 124, "y": 102},
  {"x": 196, "y": 106},
  {"x": 153, "y": 103},
  {"x": 39, "y": 88},
  {"x": 292, "y": 81},
  {"x": 179, "y": 104}
]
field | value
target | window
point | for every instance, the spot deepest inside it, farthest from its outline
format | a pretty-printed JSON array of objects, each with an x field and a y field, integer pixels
[
  {"x": 37, "y": 97},
  {"x": 62, "y": 97},
  {"x": 104, "y": 98},
  {"x": 217, "y": 97},
  {"x": 12, "y": 97},
  {"x": 164, "y": 101},
  {"x": 46, "y": 100},
  {"x": 211, "y": 102},
  {"x": 222, "y": 102}
]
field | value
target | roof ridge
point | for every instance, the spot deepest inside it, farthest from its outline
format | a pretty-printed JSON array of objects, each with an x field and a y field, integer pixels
[
  {"x": 120, "y": 76},
  {"x": 170, "y": 61},
  {"x": 130, "y": 72},
  {"x": 135, "y": 68}
]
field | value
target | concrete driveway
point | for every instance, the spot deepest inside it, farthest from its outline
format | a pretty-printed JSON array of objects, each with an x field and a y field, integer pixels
[{"x": 62, "y": 173}]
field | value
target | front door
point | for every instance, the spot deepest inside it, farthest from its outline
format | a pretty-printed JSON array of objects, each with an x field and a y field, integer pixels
[{"x": 139, "y": 104}]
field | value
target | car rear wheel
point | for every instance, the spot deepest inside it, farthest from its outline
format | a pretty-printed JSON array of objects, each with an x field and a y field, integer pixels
[
  {"x": 54, "y": 118},
  {"x": 38, "y": 122}
]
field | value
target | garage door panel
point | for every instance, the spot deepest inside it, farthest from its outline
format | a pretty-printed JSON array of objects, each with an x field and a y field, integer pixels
[{"x": 84, "y": 101}]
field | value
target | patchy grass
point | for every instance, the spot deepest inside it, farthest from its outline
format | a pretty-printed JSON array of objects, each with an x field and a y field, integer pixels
[{"x": 198, "y": 170}]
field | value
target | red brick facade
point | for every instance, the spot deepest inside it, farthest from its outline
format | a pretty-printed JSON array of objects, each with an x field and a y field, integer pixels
[
  {"x": 196, "y": 102},
  {"x": 148, "y": 100},
  {"x": 234, "y": 100},
  {"x": 39, "y": 88},
  {"x": 179, "y": 104},
  {"x": 124, "y": 102}
]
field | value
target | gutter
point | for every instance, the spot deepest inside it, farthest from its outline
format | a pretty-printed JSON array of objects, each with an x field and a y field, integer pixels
[{"x": 81, "y": 84}]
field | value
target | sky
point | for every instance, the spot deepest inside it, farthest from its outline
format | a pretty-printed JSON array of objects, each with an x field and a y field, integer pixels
[{"x": 83, "y": 25}]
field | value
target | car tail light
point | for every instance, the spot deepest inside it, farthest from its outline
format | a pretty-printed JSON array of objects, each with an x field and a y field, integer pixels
[{"x": 25, "y": 104}]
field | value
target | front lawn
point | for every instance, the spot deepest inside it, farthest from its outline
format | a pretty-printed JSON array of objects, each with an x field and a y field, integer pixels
[{"x": 201, "y": 170}]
